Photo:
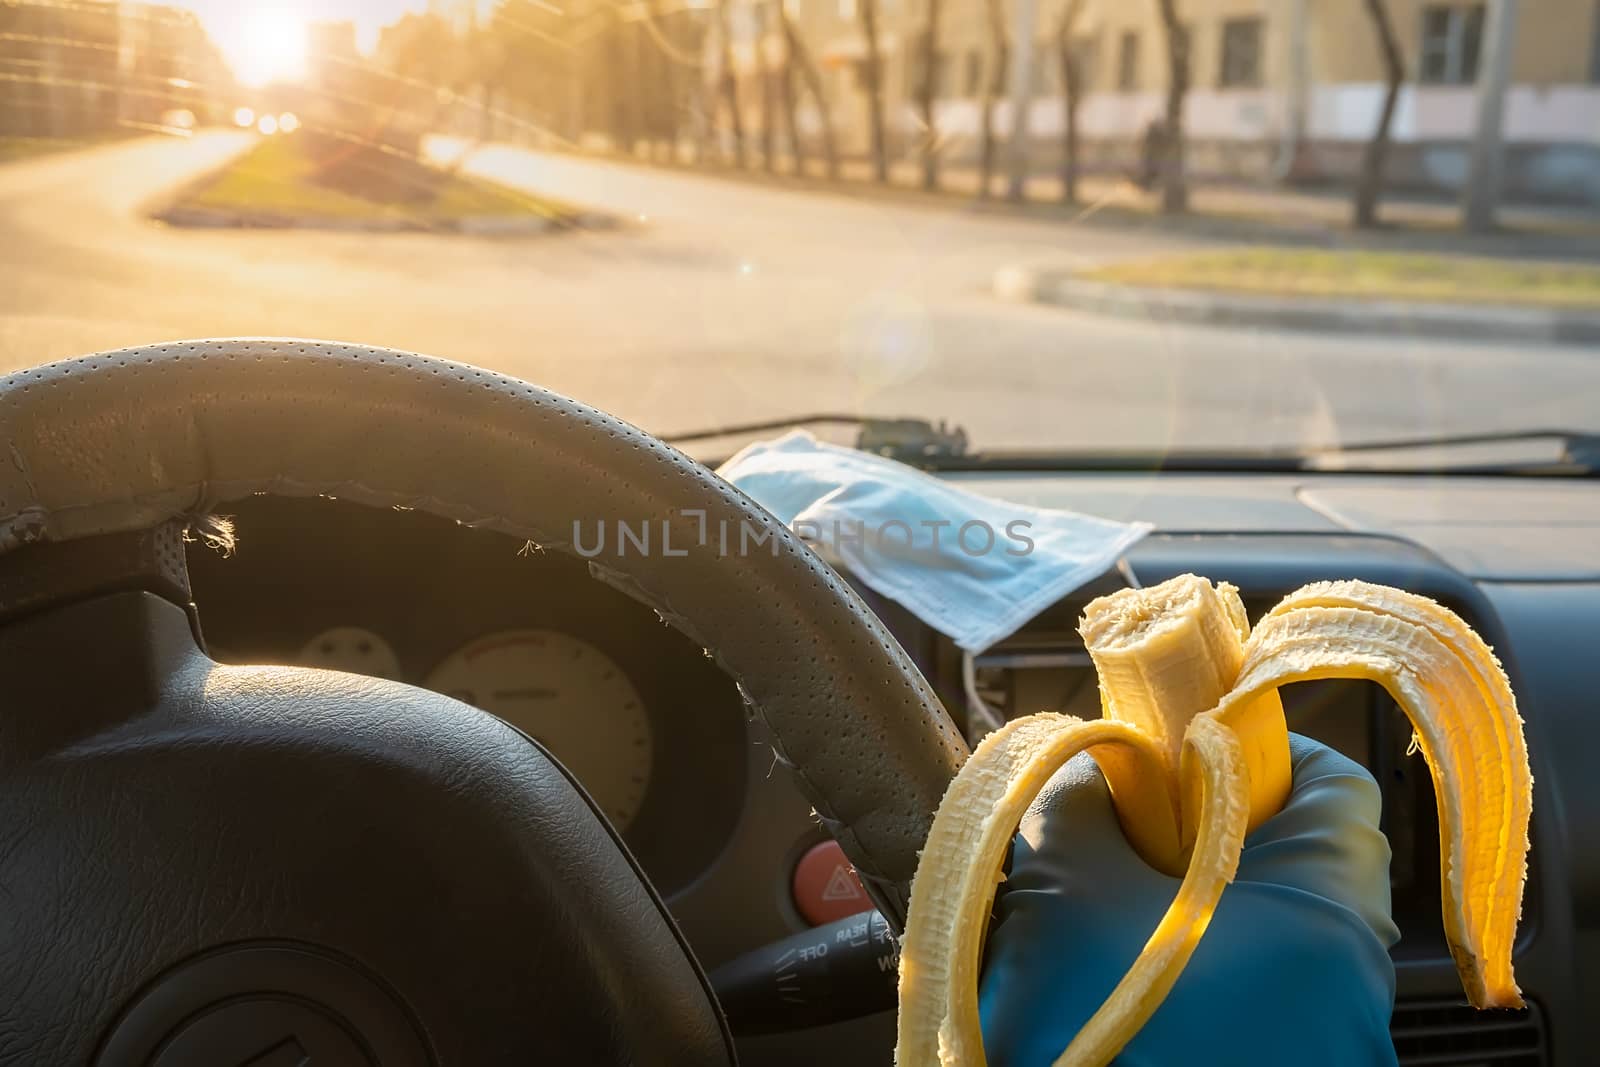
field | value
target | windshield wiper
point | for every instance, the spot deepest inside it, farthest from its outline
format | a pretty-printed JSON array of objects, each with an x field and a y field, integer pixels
[
  {"x": 906, "y": 439},
  {"x": 941, "y": 447},
  {"x": 1577, "y": 453}
]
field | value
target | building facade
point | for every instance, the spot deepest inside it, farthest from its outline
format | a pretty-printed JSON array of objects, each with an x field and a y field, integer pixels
[
  {"x": 93, "y": 66},
  {"x": 1279, "y": 89}
]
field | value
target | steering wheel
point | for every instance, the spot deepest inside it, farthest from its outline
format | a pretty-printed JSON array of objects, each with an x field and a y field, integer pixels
[{"x": 203, "y": 863}]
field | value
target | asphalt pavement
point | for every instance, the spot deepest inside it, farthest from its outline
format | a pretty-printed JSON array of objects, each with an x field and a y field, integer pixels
[{"x": 720, "y": 301}]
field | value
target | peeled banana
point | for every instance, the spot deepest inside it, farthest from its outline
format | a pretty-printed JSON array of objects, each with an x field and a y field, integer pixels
[{"x": 1193, "y": 744}]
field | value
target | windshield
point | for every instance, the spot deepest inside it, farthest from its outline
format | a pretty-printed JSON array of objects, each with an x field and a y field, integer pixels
[{"x": 1059, "y": 225}]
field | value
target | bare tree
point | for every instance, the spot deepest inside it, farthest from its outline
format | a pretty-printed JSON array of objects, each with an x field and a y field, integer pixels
[
  {"x": 1174, "y": 191},
  {"x": 621, "y": 88},
  {"x": 653, "y": 82},
  {"x": 768, "y": 104},
  {"x": 786, "y": 98},
  {"x": 679, "y": 102},
  {"x": 729, "y": 80},
  {"x": 801, "y": 58},
  {"x": 1072, "y": 76},
  {"x": 667, "y": 98},
  {"x": 994, "y": 79},
  {"x": 927, "y": 93},
  {"x": 1373, "y": 158},
  {"x": 872, "y": 74}
]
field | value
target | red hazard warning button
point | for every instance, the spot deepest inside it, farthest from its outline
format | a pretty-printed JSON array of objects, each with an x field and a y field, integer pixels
[{"x": 826, "y": 887}]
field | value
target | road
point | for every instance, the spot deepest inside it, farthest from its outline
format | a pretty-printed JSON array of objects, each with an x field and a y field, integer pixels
[{"x": 723, "y": 300}]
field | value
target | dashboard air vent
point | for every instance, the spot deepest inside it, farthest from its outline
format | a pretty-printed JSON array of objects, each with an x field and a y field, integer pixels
[{"x": 1450, "y": 1033}]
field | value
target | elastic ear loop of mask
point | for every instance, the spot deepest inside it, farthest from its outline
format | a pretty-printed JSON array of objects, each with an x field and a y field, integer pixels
[{"x": 981, "y": 717}]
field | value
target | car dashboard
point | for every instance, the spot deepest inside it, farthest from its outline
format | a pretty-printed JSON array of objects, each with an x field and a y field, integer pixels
[{"x": 662, "y": 742}]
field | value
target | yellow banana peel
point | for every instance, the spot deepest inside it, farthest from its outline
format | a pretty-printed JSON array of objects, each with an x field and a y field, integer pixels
[{"x": 1193, "y": 744}]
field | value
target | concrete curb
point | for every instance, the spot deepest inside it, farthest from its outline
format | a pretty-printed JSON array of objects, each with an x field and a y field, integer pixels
[
  {"x": 480, "y": 226},
  {"x": 1444, "y": 321}
]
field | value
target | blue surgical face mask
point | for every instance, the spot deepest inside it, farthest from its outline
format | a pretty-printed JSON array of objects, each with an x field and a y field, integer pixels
[{"x": 970, "y": 566}]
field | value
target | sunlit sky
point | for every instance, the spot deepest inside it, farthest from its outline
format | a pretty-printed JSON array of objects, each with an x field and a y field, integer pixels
[{"x": 264, "y": 40}]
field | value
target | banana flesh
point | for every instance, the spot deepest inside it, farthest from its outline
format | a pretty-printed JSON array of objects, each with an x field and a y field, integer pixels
[
  {"x": 1194, "y": 746},
  {"x": 1164, "y": 655}
]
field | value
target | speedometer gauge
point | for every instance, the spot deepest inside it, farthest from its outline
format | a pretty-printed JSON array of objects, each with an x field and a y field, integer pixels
[
  {"x": 352, "y": 649},
  {"x": 570, "y": 697}
]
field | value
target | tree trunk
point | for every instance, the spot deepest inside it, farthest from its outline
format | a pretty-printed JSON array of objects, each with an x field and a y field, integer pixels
[
  {"x": 994, "y": 80},
  {"x": 486, "y": 117},
  {"x": 1069, "y": 116},
  {"x": 927, "y": 93},
  {"x": 874, "y": 76},
  {"x": 654, "y": 92},
  {"x": 702, "y": 98},
  {"x": 1174, "y": 191},
  {"x": 1071, "y": 95},
  {"x": 668, "y": 106},
  {"x": 786, "y": 97},
  {"x": 1373, "y": 158},
  {"x": 808, "y": 72},
  {"x": 638, "y": 116},
  {"x": 768, "y": 104},
  {"x": 573, "y": 112},
  {"x": 688, "y": 90},
  {"x": 620, "y": 97},
  {"x": 730, "y": 82}
]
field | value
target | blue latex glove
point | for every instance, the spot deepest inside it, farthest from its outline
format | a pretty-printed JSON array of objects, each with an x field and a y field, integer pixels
[{"x": 1294, "y": 967}]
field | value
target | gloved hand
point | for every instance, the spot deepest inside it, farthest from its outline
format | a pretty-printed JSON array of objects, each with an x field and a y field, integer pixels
[{"x": 1294, "y": 967}]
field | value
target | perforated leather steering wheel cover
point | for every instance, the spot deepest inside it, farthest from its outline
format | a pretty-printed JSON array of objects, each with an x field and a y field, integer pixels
[{"x": 124, "y": 440}]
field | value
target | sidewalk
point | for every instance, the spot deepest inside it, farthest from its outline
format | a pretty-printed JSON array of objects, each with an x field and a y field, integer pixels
[{"x": 1228, "y": 212}]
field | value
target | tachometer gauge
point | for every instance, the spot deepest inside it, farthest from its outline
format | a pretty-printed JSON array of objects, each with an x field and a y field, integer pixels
[
  {"x": 570, "y": 697},
  {"x": 353, "y": 649}
]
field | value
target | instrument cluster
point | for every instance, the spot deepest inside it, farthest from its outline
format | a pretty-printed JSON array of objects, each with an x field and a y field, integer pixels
[{"x": 650, "y": 728}]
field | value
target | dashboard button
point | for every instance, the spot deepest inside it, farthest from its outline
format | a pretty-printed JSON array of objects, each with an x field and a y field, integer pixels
[{"x": 826, "y": 887}]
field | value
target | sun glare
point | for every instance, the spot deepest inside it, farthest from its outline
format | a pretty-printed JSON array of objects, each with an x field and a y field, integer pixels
[
  {"x": 265, "y": 41},
  {"x": 265, "y": 44}
]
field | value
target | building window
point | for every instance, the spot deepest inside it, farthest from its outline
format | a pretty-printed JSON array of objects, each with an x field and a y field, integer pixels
[
  {"x": 1128, "y": 61},
  {"x": 915, "y": 65},
  {"x": 975, "y": 72},
  {"x": 1451, "y": 37},
  {"x": 1085, "y": 53},
  {"x": 1042, "y": 77},
  {"x": 949, "y": 84},
  {"x": 1594, "y": 46},
  {"x": 1241, "y": 54}
]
